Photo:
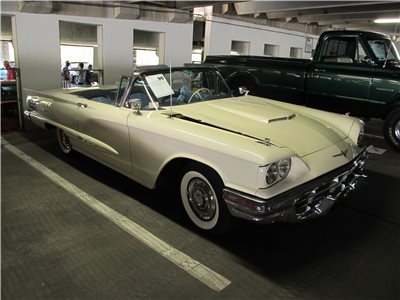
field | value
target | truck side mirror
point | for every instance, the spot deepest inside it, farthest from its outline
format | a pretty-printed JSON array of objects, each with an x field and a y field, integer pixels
[
  {"x": 243, "y": 91},
  {"x": 368, "y": 61}
]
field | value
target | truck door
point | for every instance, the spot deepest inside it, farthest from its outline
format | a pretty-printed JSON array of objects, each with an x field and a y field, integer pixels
[
  {"x": 385, "y": 85},
  {"x": 340, "y": 78}
]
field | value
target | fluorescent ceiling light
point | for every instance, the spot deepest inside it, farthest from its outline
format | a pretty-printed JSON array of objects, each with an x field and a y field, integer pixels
[{"x": 383, "y": 21}]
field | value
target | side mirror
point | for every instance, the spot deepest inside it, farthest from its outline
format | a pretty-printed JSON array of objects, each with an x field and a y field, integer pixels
[
  {"x": 243, "y": 91},
  {"x": 135, "y": 104},
  {"x": 368, "y": 61}
]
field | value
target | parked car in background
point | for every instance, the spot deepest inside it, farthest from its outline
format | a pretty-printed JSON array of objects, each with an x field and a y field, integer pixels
[
  {"x": 354, "y": 72},
  {"x": 248, "y": 157}
]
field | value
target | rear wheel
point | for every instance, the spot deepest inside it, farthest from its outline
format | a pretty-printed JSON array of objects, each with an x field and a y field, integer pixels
[
  {"x": 391, "y": 129},
  {"x": 201, "y": 194},
  {"x": 63, "y": 141}
]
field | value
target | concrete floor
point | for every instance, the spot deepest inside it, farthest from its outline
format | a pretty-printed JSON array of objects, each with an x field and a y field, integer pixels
[{"x": 56, "y": 247}]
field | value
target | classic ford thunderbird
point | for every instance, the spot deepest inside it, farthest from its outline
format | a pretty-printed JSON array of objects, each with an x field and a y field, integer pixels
[{"x": 249, "y": 157}]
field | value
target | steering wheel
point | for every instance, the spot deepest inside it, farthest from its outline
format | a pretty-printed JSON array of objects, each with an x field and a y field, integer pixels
[{"x": 198, "y": 93}]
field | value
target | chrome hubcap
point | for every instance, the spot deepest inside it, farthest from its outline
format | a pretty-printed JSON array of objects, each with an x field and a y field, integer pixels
[
  {"x": 397, "y": 130},
  {"x": 202, "y": 199},
  {"x": 65, "y": 141}
]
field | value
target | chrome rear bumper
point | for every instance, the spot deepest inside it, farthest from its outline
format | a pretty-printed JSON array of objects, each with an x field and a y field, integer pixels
[{"x": 309, "y": 200}]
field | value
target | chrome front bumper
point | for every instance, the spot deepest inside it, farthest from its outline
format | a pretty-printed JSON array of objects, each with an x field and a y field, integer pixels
[{"x": 309, "y": 200}]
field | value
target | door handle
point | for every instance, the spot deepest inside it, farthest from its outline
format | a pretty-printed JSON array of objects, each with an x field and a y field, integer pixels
[
  {"x": 320, "y": 70},
  {"x": 80, "y": 104}
]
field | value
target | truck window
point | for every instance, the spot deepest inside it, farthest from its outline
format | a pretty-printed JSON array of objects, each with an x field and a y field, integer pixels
[
  {"x": 339, "y": 49},
  {"x": 361, "y": 55},
  {"x": 383, "y": 49}
]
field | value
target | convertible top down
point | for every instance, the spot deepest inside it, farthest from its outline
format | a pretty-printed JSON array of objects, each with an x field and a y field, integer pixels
[{"x": 247, "y": 157}]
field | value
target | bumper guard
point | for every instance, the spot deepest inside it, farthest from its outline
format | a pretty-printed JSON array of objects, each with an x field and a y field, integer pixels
[{"x": 309, "y": 200}]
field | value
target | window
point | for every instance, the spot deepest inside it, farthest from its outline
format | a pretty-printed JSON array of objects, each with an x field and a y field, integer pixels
[
  {"x": 76, "y": 54},
  {"x": 271, "y": 50},
  {"x": 340, "y": 47},
  {"x": 361, "y": 55},
  {"x": 7, "y": 54},
  {"x": 78, "y": 44},
  {"x": 197, "y": 56},
  {"x": 383, "y": 49},
  {"x": 240, "y": 48},
  {"x": 145, "y": 57},
  {"x": 296, "y": 52},
  {"x": 148, "y": 48}
]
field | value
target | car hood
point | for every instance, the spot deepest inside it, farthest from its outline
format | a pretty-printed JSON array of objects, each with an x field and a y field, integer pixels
[{"x": 261, "y": 119}]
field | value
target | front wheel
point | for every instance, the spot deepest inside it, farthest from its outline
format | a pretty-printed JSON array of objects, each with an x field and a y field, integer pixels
[
  {"x": 391, "y": 129},
  {"x": 63, "y": 141},
  {"x": 201, "y": 194}
]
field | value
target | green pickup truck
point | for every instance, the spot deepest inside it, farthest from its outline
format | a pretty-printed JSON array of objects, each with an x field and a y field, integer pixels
[{"x": 354, "y": 72}]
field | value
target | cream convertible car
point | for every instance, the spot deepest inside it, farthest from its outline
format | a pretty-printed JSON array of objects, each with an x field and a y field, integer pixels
[{"x": 247, "y": 157}]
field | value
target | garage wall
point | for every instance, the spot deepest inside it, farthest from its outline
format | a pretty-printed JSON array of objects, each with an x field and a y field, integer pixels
[
  {"x": 220, "y": 32},
  {"x": 37, "y": 37},
  {"x": 38, "y": 54}
]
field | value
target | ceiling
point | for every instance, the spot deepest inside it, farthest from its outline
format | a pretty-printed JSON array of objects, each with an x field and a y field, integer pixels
[
  {"x": 311, "y": 16},
  {"x": 304, "y": 16}
]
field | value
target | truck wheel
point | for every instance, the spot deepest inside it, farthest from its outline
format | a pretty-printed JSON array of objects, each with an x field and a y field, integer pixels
[
  {"x": 391, "y": 129},
  {"x": 201, "y": 195},
  {"x": 63, "y": 141}
]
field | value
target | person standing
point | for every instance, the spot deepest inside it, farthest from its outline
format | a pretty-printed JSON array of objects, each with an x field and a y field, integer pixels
[
  {"x": 81, "y": 74},
  {"x": 88, "y": 75},
  {"x": 65, "y": 75},
  {"x": 11, "y": 75}
]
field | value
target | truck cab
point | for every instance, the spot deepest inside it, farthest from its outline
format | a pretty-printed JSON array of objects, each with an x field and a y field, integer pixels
[{"x": 353, "y": 71}]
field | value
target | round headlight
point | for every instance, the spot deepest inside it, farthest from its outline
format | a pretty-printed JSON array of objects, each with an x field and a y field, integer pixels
[
  {"x": 272, "y": 174},
  {"x": 284, "y": 167}
]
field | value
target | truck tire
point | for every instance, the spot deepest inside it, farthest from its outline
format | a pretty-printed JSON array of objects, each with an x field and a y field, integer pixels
[
  {"x": 391, "y": 129},
  {"x": 201, "y": 193}
]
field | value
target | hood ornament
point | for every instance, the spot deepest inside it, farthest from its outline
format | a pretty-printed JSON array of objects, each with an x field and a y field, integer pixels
[{"x": 342, "y": 152}]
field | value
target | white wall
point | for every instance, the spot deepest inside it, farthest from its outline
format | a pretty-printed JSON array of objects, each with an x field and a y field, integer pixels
[
  {"x": 220, "y": 33},
  {"x": 37, "y": 37},
  {"x": 38, "y": 51}
]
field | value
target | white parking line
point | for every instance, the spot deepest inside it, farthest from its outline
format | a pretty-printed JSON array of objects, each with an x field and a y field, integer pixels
[{"x": 201, "y": 272}]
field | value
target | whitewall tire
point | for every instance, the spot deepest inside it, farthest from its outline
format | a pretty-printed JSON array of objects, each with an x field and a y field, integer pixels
[
  {"x": 63, "y": 141},
  {"x": 201, "y": 194}
]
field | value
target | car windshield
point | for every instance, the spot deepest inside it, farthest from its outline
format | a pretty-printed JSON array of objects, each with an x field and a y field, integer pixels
[
  {"x": 384, "y": 49},
  {"x": 180, "y": 87}
]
